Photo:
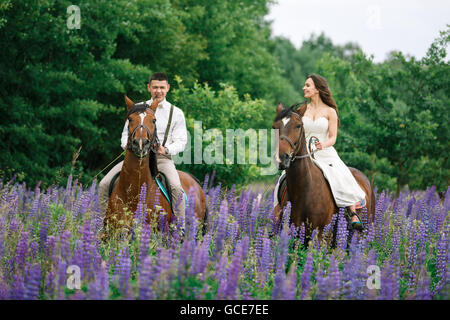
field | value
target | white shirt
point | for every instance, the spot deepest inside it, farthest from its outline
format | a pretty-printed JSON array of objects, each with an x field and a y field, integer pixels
[{"x": 177, "y": 137}]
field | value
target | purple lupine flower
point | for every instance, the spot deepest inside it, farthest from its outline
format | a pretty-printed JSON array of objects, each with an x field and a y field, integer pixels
[
  {"x": 322, "y": 286},
  {"x": 144, "y": 242},
  {"x": 370, "y": 232},
  {"x": 183, "y": 258},
  {"x": 50, "y": 284},
  {"x": 266, "y": 259},
  {"x": 33, "y": 249},
  {"x": 200, "y": 258},
  {"x": 77, "y": 258},
  {"x": 286, "y": 215},
  {"x": 411, "y": 202},
  {"x": 342, "y": 231},
  {"x": 335, "y": 276},
  {"x": 43, "y": 232},
  {"x": 241, "y": 212},
  {"x": 124, "y": 270},
  {"x": 306, "y": 276},
  {"x": 221, "y": 226},
  {"x": 442, "y": 257},
  {"x": 354, "y": 277},
  {"x": 234, "y": 270},
  {"x": 21, "y": 251},
  {"x": 379, "y": 213},
  {"x": 13, "y": 226},
  {"x": 259, "y": 241},
  {"x": 32, "y": 281},
  {"x": 140, "y": 212},
  {"x": 50, "y": 247},
  {"x": 395, "y": 257},
  {"x": 282, "y": 252},
  {"x": 87, "y": 250},
  {"x": 191, "y": 219},
  {"x": 205, "y": 184},
  {"x": 221, "y": 273},
  {"x": 17, "y": 290},
  {"x": 423, "y": 286},
  {"x": 212, "y": 179},
  {"x": 255, "y": 213},
  {"x": 389, "y": 283},
  {"x": 99, "y": 289},
  {"x": 290, "y": 288},
  {"x": 278, "y": 287},
  {"x": 302, "y": 233},
  {"x": 146, "y": 291},
  {"x": 64, "y": 244},
  {"x": 329, "y": 227}
]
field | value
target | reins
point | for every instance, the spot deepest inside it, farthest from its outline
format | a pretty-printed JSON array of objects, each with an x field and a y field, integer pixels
[
  {"x": 297, "y": 148},
  {"x": 154, "y": 140}
]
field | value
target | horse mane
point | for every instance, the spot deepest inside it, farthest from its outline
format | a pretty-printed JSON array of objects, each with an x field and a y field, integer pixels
[
  {"x": 286, "y": 112},
  {"x": 137, "y": 107}
]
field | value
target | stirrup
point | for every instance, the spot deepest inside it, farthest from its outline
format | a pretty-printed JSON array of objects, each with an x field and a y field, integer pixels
[{"x": 357, "y": 225}]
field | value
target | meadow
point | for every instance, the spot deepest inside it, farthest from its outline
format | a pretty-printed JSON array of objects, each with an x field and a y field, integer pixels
[{"x": 242, "y": 253}]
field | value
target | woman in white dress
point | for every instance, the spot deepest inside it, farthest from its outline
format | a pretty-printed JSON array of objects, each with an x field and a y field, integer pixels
[{"x": 320, "y": 119}]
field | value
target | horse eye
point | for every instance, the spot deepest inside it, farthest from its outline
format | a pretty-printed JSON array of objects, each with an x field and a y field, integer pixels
[
  {"x": 298, "y": 127},
  {"x": 154, "y": 120}
]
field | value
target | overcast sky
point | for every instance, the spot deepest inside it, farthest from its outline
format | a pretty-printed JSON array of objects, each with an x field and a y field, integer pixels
[{"x": 378, "y": 26}]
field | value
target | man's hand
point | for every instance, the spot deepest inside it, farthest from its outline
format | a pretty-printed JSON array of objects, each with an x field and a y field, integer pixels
[{"x": 161, "y": 150}]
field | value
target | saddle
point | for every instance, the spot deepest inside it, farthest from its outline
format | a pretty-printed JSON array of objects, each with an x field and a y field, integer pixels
[{"x": 161, "y": 181}]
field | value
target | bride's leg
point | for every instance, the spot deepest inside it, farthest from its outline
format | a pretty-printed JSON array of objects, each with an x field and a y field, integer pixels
[{"x": 354, "y": 220}]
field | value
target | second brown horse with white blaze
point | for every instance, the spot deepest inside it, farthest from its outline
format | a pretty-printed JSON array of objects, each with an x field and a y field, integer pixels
[
  {"x": 312, "y": 202},
  {"x": 140, "y": 167}
]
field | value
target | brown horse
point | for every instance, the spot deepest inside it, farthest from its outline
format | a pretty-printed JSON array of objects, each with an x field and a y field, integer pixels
[
  {"x": 309, "y": 192},
  {"x": 140, "y": 167}
]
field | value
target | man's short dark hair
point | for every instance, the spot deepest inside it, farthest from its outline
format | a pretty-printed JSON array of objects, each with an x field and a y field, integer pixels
[{"x": 159, "y": 76}]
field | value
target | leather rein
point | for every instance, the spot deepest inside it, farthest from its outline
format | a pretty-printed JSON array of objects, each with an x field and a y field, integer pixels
[{"x": 296, "y": 148}]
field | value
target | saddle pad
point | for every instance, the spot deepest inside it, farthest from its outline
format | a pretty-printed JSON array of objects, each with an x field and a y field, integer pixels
[
  {"x": 163, "y": 187},
  {"x": 282, "y": 188}
]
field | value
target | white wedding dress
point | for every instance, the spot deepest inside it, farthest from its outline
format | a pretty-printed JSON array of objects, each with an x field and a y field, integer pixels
[{"x": 345, "y": 189}]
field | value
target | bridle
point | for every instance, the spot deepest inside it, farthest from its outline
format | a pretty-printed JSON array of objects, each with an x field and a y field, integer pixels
[
  {"x": 153, "y": 138},
  {"x": 296, "y": 148}
]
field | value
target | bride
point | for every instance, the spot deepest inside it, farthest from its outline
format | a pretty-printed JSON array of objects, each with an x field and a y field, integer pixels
[{"x": 320, "y": 119}]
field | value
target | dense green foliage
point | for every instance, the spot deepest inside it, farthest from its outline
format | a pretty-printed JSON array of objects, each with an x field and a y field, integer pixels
[{"x": 61, "y": 89}]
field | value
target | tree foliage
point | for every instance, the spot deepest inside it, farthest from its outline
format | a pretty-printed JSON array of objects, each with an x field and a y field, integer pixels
[{"x": 61, "y": 89}]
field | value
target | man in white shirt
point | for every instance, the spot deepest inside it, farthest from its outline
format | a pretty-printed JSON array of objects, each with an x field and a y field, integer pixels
[{"x": 158, "y": 87}]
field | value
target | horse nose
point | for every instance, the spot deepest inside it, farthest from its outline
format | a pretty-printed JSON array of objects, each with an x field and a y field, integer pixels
[{"x": 285, "y": 161}]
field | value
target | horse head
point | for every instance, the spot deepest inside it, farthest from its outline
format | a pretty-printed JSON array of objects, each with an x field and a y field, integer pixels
[
  {"x": 291, "y": 135},
  {"x": 142, "y": 137}
]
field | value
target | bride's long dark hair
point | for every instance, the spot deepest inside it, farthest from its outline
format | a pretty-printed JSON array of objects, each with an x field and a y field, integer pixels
[{"x": 321, "y": 84}]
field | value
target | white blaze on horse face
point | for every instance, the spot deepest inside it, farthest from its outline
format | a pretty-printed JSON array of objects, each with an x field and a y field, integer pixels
[
  {"x": 142, "y": 115},
  {"x": 285, "y": 121}
]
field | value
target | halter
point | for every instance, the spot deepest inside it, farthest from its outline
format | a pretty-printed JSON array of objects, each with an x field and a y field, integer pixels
[
  {"x": 152, "y": 137},
  {"x": 297, "y": 148}
]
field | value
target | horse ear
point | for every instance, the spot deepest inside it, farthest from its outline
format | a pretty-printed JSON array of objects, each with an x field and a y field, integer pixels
[
  {"x": 302, "y": 109},
  {"x": 128, "y": 102},
  {"x": 154, "y": 105},
  {"x": 280, "y": 107}
]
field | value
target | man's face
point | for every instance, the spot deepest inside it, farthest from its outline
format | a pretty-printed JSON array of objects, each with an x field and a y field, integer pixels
[{"x": 158, "y": 89}]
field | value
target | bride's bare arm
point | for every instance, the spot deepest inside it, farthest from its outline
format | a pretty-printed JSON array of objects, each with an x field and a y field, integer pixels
[{"x": 332, "y": 130}]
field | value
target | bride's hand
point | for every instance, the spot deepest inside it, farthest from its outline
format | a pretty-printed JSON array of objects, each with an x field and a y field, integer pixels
[{"x": 319, "y": 145}]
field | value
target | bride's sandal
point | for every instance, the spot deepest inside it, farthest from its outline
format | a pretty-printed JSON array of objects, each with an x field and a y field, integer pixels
[{"x": 357, "y": 225}]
